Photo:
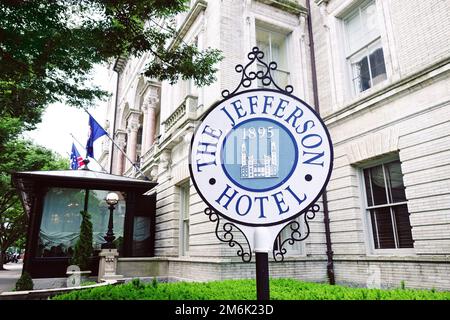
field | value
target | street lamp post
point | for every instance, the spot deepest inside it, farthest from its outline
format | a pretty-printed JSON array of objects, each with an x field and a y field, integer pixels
[{"x": 111, "y": 199}]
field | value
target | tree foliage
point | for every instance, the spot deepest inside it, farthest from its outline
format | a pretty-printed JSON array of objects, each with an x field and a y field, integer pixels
[
  {"x": 48, "y": 49},
  {"x": 19, "y": 155}
]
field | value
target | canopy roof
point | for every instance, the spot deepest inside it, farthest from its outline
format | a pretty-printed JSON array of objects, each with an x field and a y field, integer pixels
[{"x": 29, "y": 182}]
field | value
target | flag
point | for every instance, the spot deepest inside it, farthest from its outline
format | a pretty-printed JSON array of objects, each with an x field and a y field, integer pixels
[
  {"x": 76, "y": 160},
  {"x": 96, "y": 131}
]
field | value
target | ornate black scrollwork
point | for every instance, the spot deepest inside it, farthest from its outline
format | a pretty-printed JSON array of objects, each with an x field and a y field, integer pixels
[
  {"x": 226, "y": 235},
  {"x": 264, "y": 73},
  {"x": 296, "y": 234}
]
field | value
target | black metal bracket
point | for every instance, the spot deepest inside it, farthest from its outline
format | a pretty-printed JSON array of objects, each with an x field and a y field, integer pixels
[
  {"x": 225, "y": 235},
  {"x": 264, "y": 73},
  {"x": 296, "y": 234}
]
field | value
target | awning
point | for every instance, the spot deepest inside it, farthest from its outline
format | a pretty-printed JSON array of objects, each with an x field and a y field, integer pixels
[{"x": 28, "y": 182}]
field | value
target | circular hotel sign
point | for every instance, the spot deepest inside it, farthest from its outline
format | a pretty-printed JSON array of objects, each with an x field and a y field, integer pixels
[{"x": 261, "y": 157}]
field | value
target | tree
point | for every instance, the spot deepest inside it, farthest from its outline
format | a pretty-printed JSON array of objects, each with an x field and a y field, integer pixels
[
  {"x": 48, "y": 49},
  {"x": 83, "y": 247},
  {"x": 19, "y": 155}
]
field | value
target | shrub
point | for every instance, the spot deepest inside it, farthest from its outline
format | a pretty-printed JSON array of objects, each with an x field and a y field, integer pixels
[
  {"x": 83, "y": 247},
  {"x": 25, "y": 282},
  {"x": 280, "y": 289},
  {"x": 154, "y": 282},
  {"x": 137, "y": 284}
]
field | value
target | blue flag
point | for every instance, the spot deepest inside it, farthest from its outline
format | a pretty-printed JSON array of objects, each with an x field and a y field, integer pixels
[
  {"x": 96, "y": 131},
  {"x": 76, "y": 160}
]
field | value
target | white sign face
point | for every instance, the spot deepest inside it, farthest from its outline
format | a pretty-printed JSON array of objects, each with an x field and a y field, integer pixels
[{"x": 261, "y": 157}]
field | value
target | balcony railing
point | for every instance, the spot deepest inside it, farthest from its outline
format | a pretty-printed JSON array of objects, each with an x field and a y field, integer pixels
[
  {"x": 175, "y": 116},
  {"x": 186, "y": 111},
  {"x": 148, "y": 154}
]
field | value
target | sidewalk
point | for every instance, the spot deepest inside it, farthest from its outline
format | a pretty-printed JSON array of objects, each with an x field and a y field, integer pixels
[{"x": 8, "y": 277}]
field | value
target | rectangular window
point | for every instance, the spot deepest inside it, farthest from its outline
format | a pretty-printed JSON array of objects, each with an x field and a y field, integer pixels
[
  {"x": 387, "y": 206},
  {"x": 139, "y": 150},
  {"x": 61, "y": 219},
  {"x": 143, "y": 226},
  {"x": 274, "y": 46},
  {"x": 158, "y": 127},
  {"x": 364, "y": 50},
  {"x": 184, "y": 220}
]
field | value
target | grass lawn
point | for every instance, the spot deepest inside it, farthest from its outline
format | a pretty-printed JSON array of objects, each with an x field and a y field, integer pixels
[{"x": 280, "y": 289}]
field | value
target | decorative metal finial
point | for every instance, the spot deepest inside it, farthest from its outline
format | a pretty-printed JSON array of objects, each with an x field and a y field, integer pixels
[
  {"x": 85, "y": 162},
  {"x": 264, "y": 74}
]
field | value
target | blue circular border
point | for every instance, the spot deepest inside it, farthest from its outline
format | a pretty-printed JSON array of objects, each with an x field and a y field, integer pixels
[{"x": 279, "y": 183}]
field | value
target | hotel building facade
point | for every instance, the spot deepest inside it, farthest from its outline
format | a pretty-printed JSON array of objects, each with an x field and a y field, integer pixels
[{"x": 378, "y": 71}]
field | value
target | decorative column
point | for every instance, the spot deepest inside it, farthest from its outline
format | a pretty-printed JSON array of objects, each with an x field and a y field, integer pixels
[
  {"x": 120, "y": 140},
  {"x": 132, "y": 129},
  {"x": 152, "y": 122},
  {"x": 144, "y": 146},
  {"x": 149, "y": 123}
]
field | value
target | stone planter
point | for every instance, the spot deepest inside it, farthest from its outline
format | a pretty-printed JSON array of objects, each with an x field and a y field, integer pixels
[{"x": 108, "y": 265}]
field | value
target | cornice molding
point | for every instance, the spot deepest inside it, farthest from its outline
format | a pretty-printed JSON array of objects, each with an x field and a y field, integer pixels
[
  {"x": 286, "y": 5},
  {"x": 319, "y": 2},
  {"x": 133, "y": 114},
  {"x": 195, "y": 11}
]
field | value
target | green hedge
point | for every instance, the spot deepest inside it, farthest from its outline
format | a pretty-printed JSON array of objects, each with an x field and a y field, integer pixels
[{"x": 280, "y": 289}]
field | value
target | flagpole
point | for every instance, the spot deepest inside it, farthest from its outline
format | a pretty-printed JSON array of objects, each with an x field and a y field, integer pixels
[
  {"x": 85, "y": 149},
  {"x": 125, "y": 155}
]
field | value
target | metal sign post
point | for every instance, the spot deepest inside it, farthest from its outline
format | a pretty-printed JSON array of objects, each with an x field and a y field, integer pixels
[
  {"x": 262, "y": 276},
  {"x": 260, "y": 159}
]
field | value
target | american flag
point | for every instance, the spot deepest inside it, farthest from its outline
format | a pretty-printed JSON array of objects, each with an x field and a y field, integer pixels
[{"x": 76, "y": 160}]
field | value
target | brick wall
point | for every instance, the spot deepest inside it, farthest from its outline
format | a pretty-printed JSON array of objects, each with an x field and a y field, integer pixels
[{"x": 421, "y": 32}]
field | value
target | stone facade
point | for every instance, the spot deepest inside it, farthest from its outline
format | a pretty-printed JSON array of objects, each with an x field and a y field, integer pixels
[{"x": 404, "y": 117}]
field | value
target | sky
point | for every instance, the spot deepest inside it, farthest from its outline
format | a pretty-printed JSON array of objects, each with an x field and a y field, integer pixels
[{"x": 59, "y": 121}]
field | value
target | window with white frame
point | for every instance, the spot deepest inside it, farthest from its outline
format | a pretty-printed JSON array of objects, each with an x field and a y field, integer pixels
[
  {"x": 274, "y": 46},
  {"x": 387, "y": 207},
  {"x": 184, "y": 219},
  {"x": 364, "y": 50},
  {"x": 296, "y": 248}
]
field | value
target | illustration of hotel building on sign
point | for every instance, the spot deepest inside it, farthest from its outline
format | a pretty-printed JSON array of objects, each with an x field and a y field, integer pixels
[{"x": 265, "y": 167}]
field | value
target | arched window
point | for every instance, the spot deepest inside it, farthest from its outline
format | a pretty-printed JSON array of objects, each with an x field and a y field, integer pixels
[
  {"x": 139, "y": 150},
  {"x": 139, "y": 136}
]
